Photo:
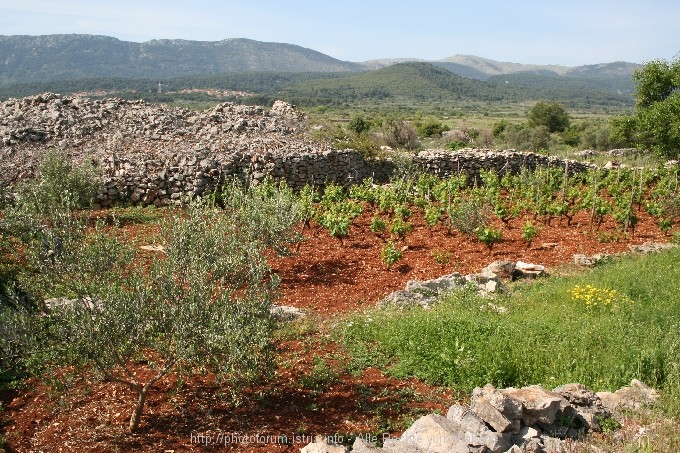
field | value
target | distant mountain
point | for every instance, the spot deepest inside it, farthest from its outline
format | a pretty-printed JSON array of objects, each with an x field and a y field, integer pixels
[
  {"x": 26, "y": 59},
  {"x": 616, "y": 77},
  {"x": 70, "y": 63},
  {"x": 492, "y": 67}
]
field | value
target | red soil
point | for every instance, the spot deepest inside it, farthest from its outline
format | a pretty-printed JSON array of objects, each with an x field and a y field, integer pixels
[{"x": 325, "y": 278}]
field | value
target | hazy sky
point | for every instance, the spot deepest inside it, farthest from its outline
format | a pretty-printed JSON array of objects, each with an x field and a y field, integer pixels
[{"x": 570, "y": 33}]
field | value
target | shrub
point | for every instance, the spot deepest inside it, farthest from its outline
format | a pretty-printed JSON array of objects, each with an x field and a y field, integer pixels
[
  {"x": 432, "y": 129},
  {"x": 469, "y": 214},
  {"x": 60, "y": 189},
  {"x": 358, "y": 125},
  {"x": 399, "y": 134}
]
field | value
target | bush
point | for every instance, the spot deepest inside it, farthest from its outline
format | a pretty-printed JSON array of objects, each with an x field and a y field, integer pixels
[
  {"x": 359, "y": 125},
  {"x": 399, "y": 134},
  {"x": 59, "y": 190},
  {"x": 549, "y": 114},
  {"x": 469, "y": 215},
  {"x": 432, "y": 129}
]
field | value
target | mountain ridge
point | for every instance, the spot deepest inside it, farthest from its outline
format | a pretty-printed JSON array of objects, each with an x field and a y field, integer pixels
[
  {"x": 70, "y": 63},
  {"x": 26, "y": 59},
  {"x": 29, "y": 58}
]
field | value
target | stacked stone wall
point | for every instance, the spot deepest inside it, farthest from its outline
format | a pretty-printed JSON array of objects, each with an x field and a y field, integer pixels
[{"x": 153, "y": 154}]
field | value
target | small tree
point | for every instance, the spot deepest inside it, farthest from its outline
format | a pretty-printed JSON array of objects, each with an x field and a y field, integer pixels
[
  {"x": 204, "y": 302},
  {"x": 549, "y": 114},
  {"x": 655, "y": 125}
]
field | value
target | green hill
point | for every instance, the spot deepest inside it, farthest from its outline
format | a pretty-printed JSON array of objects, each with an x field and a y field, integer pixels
[
  {"x": 426, "y": 82},
  {"x": 415, "y": 81}
]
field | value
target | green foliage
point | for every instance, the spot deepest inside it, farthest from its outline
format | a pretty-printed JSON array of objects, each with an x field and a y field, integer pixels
[
  {"x": 549, "y": 114},
  {"x": 656, "y": 122},
  {"x": 390, "y": 254},
  {"x": 432, "y": 129},
  {"x": 204, "y": 302},
  {"x": 659, "y": 126},
  {"x": 441, "y": 256},
  {"x": 656, "y": 81},
  {"x": 399, "y": 134},
  {"x": 320, "y": 377},
  {"x": 489, "y": 235},
  {"x": 500, "y": 127},
  {"x": 60, "y": 189},
  {"x": 469, "y": 215},
  {"x": 400, "y": 228},
  {"x": 432, "y": 215},
  {"x": 359, "y": 125},
  {"x": 545, "y": 337},
  {"x": 608, "y": 424},
  {"x": 526, "y": 138},
  {"x": 529, "y": 231},
  {"x": 378, "y": 225}
]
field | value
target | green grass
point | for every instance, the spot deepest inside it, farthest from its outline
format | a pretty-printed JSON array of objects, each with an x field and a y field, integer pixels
[
  {"x": 135, "y": 214},
  {"x": 545, "y": 338}
]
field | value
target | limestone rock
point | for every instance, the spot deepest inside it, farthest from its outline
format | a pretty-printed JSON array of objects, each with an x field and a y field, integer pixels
[
  {"x": 529, "y": 270},
  {"x": 585, "y": 406},
  {"x": 436, "y": 433},
  {"x": 286, "y": 313},
  {"x": 423, "y": 293},
  {"x": 589, "y": 261},
  {"x": 539, "y": 405},
  {"x": 397, "y": 446},
  {"x": 631, "y": 397},
  {"x": 361, "y": 446},
  {"x": 476, "y": 430},
  {"x": 650, "y": 247},
  {"x": 493, "y": 417},
  {"x": 509, "y": 407},
  {"x": 503, "y": 269}
]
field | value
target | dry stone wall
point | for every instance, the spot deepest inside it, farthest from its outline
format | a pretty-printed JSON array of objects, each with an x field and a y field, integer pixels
[
  {"x": 469, "y": 161},
  {"x": 152, "y": 154}
]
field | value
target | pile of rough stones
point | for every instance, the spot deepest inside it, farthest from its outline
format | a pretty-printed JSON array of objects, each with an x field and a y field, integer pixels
[{"x": 511, "y": 420}]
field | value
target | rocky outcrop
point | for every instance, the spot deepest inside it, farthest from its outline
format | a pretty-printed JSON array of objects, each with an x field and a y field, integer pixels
[
  {"x": 511, "y": 420},
  {"x": 488, "y": 281}
]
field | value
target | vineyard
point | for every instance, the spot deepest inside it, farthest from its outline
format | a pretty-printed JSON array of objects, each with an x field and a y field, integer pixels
[
  {"x": 333, "y": 252},
  {"x": 540, "y": 199}
]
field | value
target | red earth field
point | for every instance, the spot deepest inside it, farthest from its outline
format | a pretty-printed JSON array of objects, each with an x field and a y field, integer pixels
[{"x": 326, "y": 279}]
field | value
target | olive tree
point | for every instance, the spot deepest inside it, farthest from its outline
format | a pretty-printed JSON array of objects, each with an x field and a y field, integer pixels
[{"x": 202, "y": 302}]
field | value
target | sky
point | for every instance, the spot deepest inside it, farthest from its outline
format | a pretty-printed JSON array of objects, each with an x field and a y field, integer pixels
[{"x": 568, "y": 33}]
